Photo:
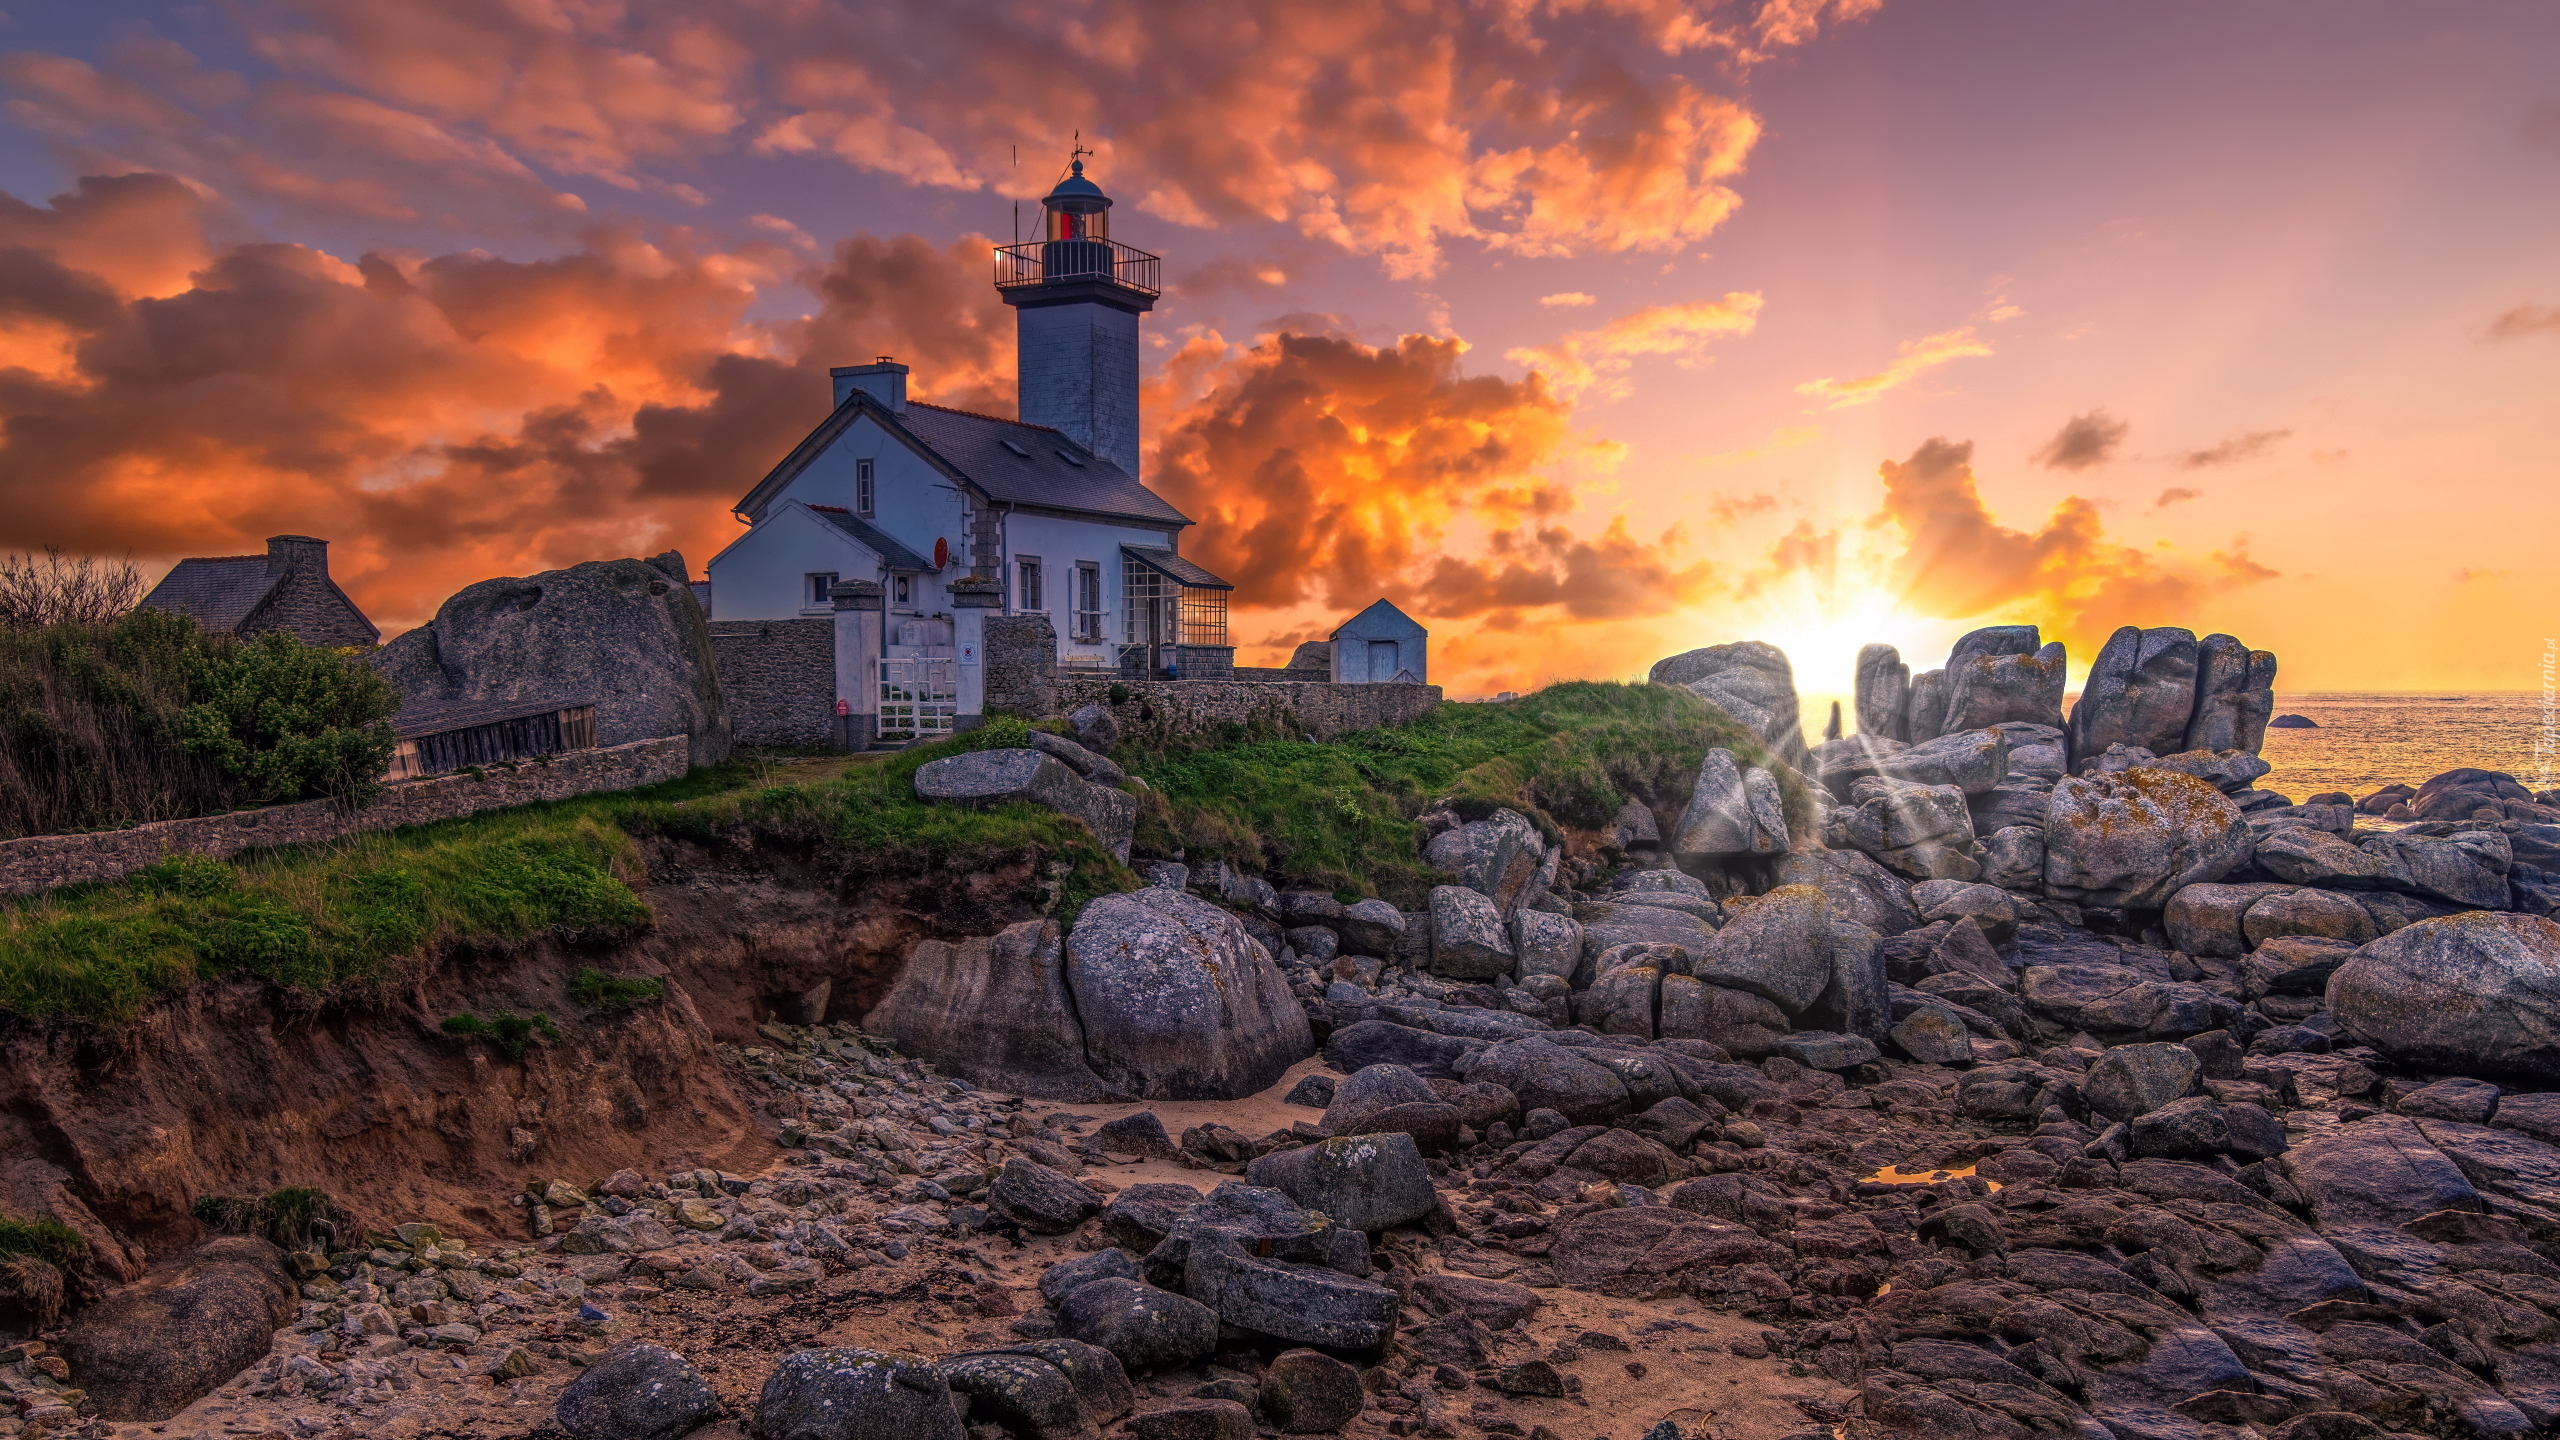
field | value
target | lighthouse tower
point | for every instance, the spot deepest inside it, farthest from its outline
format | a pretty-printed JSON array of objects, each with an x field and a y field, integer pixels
[{"x": 1077, "y": 295}]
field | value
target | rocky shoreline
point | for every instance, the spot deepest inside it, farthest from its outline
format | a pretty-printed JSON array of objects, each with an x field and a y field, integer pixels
[{"x": 1992, "y": 1072}]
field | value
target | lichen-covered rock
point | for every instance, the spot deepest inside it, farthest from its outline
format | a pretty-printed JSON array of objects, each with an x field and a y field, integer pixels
[
  {"x": 2476, "y": 993},
  {"x": 1546, "y": 944},
  {"x": 1779, "y": 948},
  {"x": 2021, "y": 680},
  {"x": 2466, "y": 868},
  {"x": 838, "y": 1394},
  {"x": 1468, "y": 939},
  {"x": 1031, "y": 777},
  {"x": 1883, "y": 693},
  {"x": 994, "y": 1010},
  {"x": 2207, "y": 919},
  {"x": 637, "y": 1391},
  {"x": 2141, "y": 691},
  {"x": 1750, "y": 681},
  {"x": 1360, "y": 1182},
  {"x": 1973, "y": 761},
  {"x": 2135, "y": 839},
  {"x": 2235, "y": 693},
  {"x": 1858, "y": 888},
  {"x": 1178, "y": 1002},
  {"x": 625, "y": 635},
  {"x": 1498, "y": 857}
]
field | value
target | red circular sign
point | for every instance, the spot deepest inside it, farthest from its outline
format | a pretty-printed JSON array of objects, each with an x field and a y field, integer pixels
[{"x": 941, "y": 552}]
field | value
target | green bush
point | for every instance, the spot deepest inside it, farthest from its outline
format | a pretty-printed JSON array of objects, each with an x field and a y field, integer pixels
[
  {"x": 505, "y": 1029},
  {"x": 289, "y": 721},
  {"x": 598, "y": 991},
  {"x": 293, "y": 1218},
  {"x": 91, "y": 722}
]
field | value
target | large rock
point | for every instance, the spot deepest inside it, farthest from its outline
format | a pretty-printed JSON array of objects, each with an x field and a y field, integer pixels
[
  {"x": 1972, "y": 760},
  {"x": 1306, "y": 1392},
  {"x": 2235, "y": 694},
  {"x": 1311, "y": 1304},
  {"x": 637, "y": 1391},
  {"x": 1370, "y": 1092},
  {"x": 1750, "y": 681},
  {"x": 1030, "y": 777},
  {"x": 2141, "y": 691},
  {"x": 149, "y": 1350},
  {"x": 1717, "y": 820},
  {"x": 1178, "y": 1002},
  {"x": 1039, "y": 1199},
  {"x": 1987, "y": 686},
  {"x": 1468, "y": 939},
  {"x": 2476, "y": 993},
  {"x": 994, "y": 1010},
  {"x": 2308, "y": 856},
  {"x": 1546, "y": 944},
  {"x": 1360, "y": 1182},
  {"x": 1031, "y": 1398},
  {"x": 2132, "y": 1080},
  {"x": 1780, "y": 948},
  {"x": 1370, "y": 927},
  {"x": 844, "y": 1393},
  {"x": 2462, "y": 794},
  {"x": 2136, "y": 839},
  {"x": 2013, "y": 857},
  {"x": 1744, "y": 1024},
  {"x": 1892, "y": 815},
  {"x": 1883, "y": 693},
  {"x": 2208, "y": 919},
  {"x": 2322, "y": 914},
  {"x": 1858, "y": 888},
  {"x": 1548, "y": 1076},
  {"x": 1143, "y": 1327},
  {"x": 1497, "y": 857},
  {"x": 2466, "y": 868},
  {"x": 625, "y": 635}
]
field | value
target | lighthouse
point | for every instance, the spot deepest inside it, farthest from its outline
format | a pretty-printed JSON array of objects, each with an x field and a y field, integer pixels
[{"x": 1076, "y": 295}]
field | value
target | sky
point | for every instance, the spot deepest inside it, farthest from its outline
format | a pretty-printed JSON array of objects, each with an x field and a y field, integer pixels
[{"x": 1588, "y": 331}]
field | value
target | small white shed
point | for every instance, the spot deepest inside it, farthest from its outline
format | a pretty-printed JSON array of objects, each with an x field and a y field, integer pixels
[{"x": 1381, "y": 645}]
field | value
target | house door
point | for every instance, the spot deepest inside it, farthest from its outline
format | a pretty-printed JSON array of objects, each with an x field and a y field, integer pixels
[{"x": 1382, "y": 659}]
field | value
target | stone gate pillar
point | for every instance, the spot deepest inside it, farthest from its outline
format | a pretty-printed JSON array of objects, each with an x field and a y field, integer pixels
[
  {"x": 858, "y": 643},
  {"x": 972, "y": 598}
]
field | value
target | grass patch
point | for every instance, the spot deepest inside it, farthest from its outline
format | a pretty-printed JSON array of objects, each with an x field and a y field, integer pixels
[
  {"x": 1340, "y": 816},
  {"x": 598, "y": 991},
  {"x": 47, "y": 1240},
  {"x": 297, "y": 1217},
  {"x": 505, "y": 1029}
]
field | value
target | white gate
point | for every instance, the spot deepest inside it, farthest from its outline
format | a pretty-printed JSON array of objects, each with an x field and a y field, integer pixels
[{"x": 918, "y": 697}]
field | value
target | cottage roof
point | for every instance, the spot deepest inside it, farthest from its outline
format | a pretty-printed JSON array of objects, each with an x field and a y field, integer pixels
[
  {"x": 1005, "y": 461},
  {"x": 218, "y": 590},
  {"x": 1174, "y": 567},
  {"x": 1380, "y": 621},
  {"x": 878, "y": 541}
]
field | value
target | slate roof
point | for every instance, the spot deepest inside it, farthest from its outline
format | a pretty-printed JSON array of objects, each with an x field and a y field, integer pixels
[
  {"x": 1052, "y": 471},
  {"x": 1058, "y": 473},
  {"x": 1174, "y": 565},
  {"x": 219, "y": 590},
  {"x": 880, "y": 542}
]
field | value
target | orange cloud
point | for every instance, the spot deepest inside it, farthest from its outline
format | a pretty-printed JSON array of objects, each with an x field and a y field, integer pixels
[
  {"x": 2232, "y": 451},
  {"x": 1326, "y": 471},
  {"x": 2525, "y": 320},
  {"x": 1547, "y": 129},
  {"x": 1914, "y": 359},
  {"x": 1958, "y": 562},
  {"x": 1598, "y": 360}
]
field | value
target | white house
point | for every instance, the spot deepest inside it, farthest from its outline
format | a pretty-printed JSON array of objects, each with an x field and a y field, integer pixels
[
  {"x": 955, "y": 515},
  {"x": 1381, "y": 645}
]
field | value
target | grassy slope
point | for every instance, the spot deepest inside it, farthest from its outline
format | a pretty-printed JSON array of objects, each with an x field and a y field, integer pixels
[{"x": 1337, "y": 816}]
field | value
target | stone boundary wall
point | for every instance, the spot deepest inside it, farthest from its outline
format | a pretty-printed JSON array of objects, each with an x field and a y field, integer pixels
[
  {"x": 42, "y": 862},
  {"x": 780, "y": 677},
  {"x": 1323, "y": 710},
  {"x": 1022, "y": 655}
]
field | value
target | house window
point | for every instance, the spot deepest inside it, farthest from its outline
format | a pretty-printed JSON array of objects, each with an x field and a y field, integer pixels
[
  {"x": 822, "y": 590},
  {"x": 1204, "y": 616},
  {"x": 904, "y": 588},
  {"x": 862, "y": 473},
  {"x": 1027, "y": 593},
  {"x": 1088, "y": 601}
]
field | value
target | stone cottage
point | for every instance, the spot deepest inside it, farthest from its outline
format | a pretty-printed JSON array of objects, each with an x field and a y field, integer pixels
[
  {"x": 288, "y": 588},
  {"x": 945, "y": 522},
  {"x": 1379, "y": 646}
]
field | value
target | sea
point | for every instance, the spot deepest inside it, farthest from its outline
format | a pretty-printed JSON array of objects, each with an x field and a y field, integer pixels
[{"x": 2365, "y": 742}]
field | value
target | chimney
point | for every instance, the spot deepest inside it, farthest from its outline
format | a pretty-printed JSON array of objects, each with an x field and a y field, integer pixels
[
  {"x": 296, "y": 552},
  {"x": 884, "y": 380}
]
